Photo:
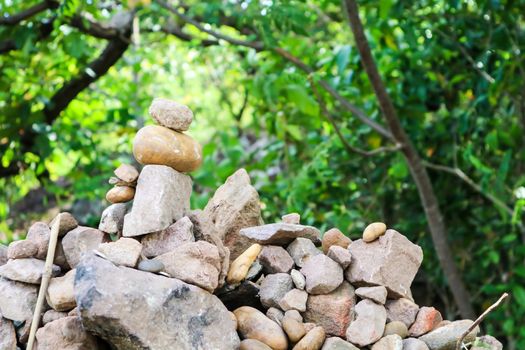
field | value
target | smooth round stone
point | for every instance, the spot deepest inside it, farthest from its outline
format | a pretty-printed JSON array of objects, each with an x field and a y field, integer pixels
[
  {"x": 294, "y": 329},
  {"x": 253, "y": 344},
  {"x": 313, "y": 340},
  {"x": 126, "y": 173},
  {"x": 155, "y": 144},
  {"x": 151, "y": 266},
  {"x": 253, "y": 324},
  {"x": 373, "y": 231},
  {"x": 396, "y": 327},
  {"x": 171, "y": 114},
  {"x": 120, "y": 194}
]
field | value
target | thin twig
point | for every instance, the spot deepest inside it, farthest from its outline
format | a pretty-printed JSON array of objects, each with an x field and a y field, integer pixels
[
  {"x": 479, "y": 319},
  {"x": 46, "y": 276}
]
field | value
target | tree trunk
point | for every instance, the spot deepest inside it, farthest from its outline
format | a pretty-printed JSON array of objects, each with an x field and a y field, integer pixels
[{"x": 415, "y": 164}]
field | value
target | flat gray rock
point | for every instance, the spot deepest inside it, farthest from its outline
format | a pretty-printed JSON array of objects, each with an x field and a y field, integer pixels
[
  {"x": 112, "y": 219},
  {"x": 369, "y": 323},
  {"x": 136, "y": 310},
  {"x": 301, "y": 249},
  {"x": 177, "y": 234},
  {"x": 323, "y": 275},
  {"x": 161, "y": 198},
  {"x": 273, "y": 289},
  {"x": 18, "y": 300},
  {"x": 446, "y": 337},
  {"x": 27, "y": 270},
  {"x": 281, "y": 233}
]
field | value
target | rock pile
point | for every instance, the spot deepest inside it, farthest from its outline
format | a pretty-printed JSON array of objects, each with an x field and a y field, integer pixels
[{"x": 157, "y": 275}]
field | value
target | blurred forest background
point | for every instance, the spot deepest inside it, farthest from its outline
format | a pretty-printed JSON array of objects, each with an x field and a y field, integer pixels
[{"x": 279, "y": 87}]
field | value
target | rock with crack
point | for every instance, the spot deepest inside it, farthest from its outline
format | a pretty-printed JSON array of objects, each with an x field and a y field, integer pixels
[
  {"x": 135, "y": 310},
  {"x": 235, "y": 205}
]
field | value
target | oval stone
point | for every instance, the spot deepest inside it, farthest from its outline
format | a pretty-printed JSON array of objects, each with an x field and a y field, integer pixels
[
  {"x": 155, "y": 144},
  {"x": 253, "y": 324},
  {"x": 120, "y": 194}
]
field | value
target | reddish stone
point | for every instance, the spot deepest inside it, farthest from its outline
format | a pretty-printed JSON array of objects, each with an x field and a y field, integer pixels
[{"x": 427, "y": 319}]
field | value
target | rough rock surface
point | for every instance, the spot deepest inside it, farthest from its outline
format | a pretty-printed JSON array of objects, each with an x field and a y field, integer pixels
[
  {"x": 396, "y": 327},
  {"x": 298, "y": 279},
  {"x": 426, "y": 320},
  {"x": 241, "y": 266},
  {"x": 292, "y": 218},
  {"x": 28, "y": 270},
  {"x": 377, "y": 294},
  {"x": 294, "y": 300},
  {"x": 154, "y": 144},
  {"x": 52, "y": 315},
  {"x": 3, "y": 254},
  {"x": 124, "y": 251},
  {"x": 171, "y": 114},
  {"x": 391, "y": 261},
  {"x": 112, "y": 219},
  {"x": 22, "y": 249},
  {"x": 60, "y": 293},
  {"x": 275, "y": 259},
  {"x": 253, "y": 324},
  {"x": 135, "y": 310},
  {"x": 369, "y": 323},
  {"x": 336, "y": 343},
  {"x": 197, "y": 263},
  {"x": 334, "y": 237},
  {"x": 39, "y": 233},
  {"x": 322, "y": 274},
  {"x": 127, "y": 173},
  {"x": 389, "y": 342},
  {"x": 65, "y": 333},
  {"x": 177, "y": 234},
  {"x": 274, "y": 287},
  {"x": 234, "y": 206},
  {"x": 487, "y": 342},
  {"x": 17, "y": 300},
  {"x": 302, "y": 249},
  {"x": 80, "y": 241},
  {"x": 162, "y": 197},
  {"x": 445, "y": 338},
  {"x": 332, "y": 311},
  {"x": 67, "y": 223},
  {"x": 7, "y": 334},
  {"x": 340, "y": 255},
  {"x": 280, "y": 233},
  {"x": 403, "y": 310},
  {"x": 414, "y": 344}
]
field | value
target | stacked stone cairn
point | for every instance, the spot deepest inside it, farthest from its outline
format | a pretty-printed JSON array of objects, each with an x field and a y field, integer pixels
[{"x": 157, "y": 275}]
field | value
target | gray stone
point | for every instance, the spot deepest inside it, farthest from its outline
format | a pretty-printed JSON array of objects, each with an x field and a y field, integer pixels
[
  {"x": 234, "y": 206},
  {"x": 60, "y": 293},
  {"x": 322, "y": 274},
  {"x": 162, "y": 197},
  {"x": 3, "y": 254},
  {"x": 275, "y": 315},
  {"x": 124, "y": 251},
  {"x": 486, "y": 342},
  {"x": 340, "y": 255},
  {"x": 414, "y": 344},
  {"x": 127, "y": 173},
  {"x": 39, "y": 233},
  {"x": 301, "y": 249},
  {"x": 177, "y": 234},
  {"x": 135, "y": 310},
  {"x": 28, "y": 270},
  {"x": 22, "y": 249},
  {"x": 80, "y": 241},
  {"x": 292, "y": 218},
  {"x": 333, "y": 311},
  {"x": 151, "y": 266},
  {"x": 255, "y": 271},
  {"x": 298, "y": 279},
  {"x": 52, "y": 315},
  {"x": 65, "y": 333},
  {"x": 273, "y": 289},
  {"x": 336, "y": 343},
  {"x": 446, "y": 337},
  {"x": 112, "y": 219},
  {"x": 369, "y": 323},
  {"x": 275, "y": 259},
  {"x": 391, "y": 261},
  {"x": 377, "y": 294},
  {"x": 67, "y": 223},
  {"x": 197, "y": 263},
  {"x": 280, "y": 233},
  {"x": 7, "y": 334},
  {"x": 403, "y": 310},
  {"x": 171, "y": 114},
  {"x": 389, "y": 342},
  {"x": 18, "y": 300},
  {"x": 294, "y": 300}
]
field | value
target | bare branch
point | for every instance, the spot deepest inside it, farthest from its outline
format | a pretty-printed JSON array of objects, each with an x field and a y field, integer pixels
[
  {"x": 479, "y": 319},
  {"x": 28, "y": 13},
  {"x": 91, "y": 27},
  {"x": 182, "y": 35}
]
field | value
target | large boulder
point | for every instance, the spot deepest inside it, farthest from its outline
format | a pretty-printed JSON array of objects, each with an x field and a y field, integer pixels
[
  {"x": 162, "y": 197},
  {"x": 135, "y": 310},
  {"x": 17, "y": 300},
  {"x": 391, "y": 261},
  {"x": 235, "y": 205}
]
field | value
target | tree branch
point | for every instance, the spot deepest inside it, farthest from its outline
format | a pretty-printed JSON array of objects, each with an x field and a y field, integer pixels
[
  {"x": 414, "y": 162},
  {"x": 44, "y": 30},
  {"x": 30, "y": 12},
  {"x": 179, "y": 33},
  {"x": 91, "y": 27}
]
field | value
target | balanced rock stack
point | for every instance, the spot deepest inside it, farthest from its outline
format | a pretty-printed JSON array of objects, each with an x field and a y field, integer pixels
[{"x": 157, "y": 275}]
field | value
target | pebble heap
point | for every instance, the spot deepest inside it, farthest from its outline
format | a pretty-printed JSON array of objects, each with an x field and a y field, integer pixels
[{"x": 157, "y": 275}]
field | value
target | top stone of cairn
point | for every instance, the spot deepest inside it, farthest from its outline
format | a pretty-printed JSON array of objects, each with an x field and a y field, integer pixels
[{"x": 171, "y": 114}]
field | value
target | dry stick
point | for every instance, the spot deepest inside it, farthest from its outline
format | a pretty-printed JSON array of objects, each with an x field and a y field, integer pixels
[
  {"x": 48, "y": 268},
  {"x": 479, "y": 319}
]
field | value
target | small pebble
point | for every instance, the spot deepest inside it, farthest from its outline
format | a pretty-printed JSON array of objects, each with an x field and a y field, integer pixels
[
  {"x": 373, "y": 231},
  {"x": 151, "y": 266}
]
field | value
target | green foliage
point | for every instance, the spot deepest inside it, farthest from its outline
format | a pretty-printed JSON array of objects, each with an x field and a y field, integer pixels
[{"x": 455, "y": 71}]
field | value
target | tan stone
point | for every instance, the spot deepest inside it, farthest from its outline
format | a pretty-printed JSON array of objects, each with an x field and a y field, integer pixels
[
  {"x": 120, "y": 194},
  {"x": 80, "y": 241},
  {"x": 124, "y": 252},
  {"x": 127, "y": 173},
  {"x": 155, "y": 144},
  {"x": 18, "y": 300},
  {"x": 334, "y": 237},
  {"x": 292, "y": 218},
  {"x": 396, "y": 327},
  {"x": 67, "y": 223},
  {"x": 65, "y": 333},
  {"x": 253, "y": 344},
  {"x": 52, "y": 315},
  {"x": 60, "y": 293},
  {"x": 177, "y": 234},
  {"x": 171, "y": 114},
  {"x": 22, "y": 249},
  {"x": 39, "y": 233},
  {"x": 293, "y": 328},
  {"x": 389, "y": 342},
  {"x": 313, "y": 340},
  {"x": 240, "y": 266},
  {"x": 373, "y": 231},
  {"x": 253, "y": 324}
]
